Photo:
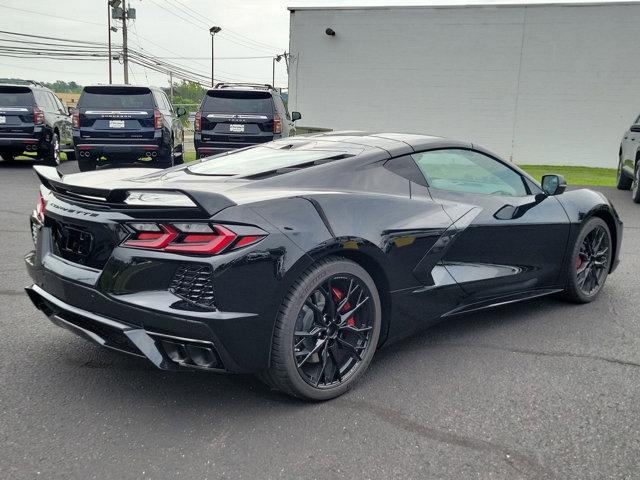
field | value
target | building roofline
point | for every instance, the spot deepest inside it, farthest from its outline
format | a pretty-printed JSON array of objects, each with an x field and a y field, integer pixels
[{"x": 508, "y": 3}]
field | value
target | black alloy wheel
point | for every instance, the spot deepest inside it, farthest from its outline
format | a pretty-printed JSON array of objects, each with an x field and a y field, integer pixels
[
  {"x": 590, "y": 263},
  {"x": 333, "y": 328},
  {"x": 327, "y": 331}
]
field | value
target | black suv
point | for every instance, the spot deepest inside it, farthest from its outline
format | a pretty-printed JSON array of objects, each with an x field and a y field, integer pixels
[
  {"x": 116, "y": 124},
  {"x": 33, "y": 119},
  {"x": 236, "y": 115}
]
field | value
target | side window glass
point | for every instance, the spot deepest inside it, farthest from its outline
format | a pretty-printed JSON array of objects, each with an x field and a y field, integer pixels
[
  {"x": 42, "y": 100},
  {"x": 57, "y": 104},
  {"x": 468, "y": 171},
  {"x": 169, "y": 106}
]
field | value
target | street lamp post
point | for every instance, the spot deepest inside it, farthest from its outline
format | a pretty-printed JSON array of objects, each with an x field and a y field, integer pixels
[{"x": 213, "y": 31}]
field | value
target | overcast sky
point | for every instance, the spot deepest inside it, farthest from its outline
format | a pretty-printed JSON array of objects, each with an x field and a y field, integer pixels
[{"x": 159, "y": 31}]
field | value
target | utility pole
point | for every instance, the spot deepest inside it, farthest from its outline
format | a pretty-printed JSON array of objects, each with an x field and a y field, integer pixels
[
  {"x": 109, "y": 26},
  {"x": 213, "y": 31},
  {"x": 125, "y": 54}
]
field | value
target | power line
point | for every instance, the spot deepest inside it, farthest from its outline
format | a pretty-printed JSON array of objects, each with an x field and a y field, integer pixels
[
  {"x": 68, "y": 19},
  {"x": 228, "y": 30}
]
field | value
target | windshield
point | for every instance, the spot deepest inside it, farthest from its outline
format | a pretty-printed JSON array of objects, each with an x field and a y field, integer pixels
[
  {"x": 101, "y": 98},
  {"x": 15, "y": 97},
  {"x": 258, "y": 160},
  {"x": 238, "y": 102}
]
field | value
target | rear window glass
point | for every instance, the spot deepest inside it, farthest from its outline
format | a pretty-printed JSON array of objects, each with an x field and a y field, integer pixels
[
  {"x": 116, "y": 98},
  {"x": 229, "y": 101},
  {"x": 258, "y": 160},
  {"x": 15, "y": 97}
]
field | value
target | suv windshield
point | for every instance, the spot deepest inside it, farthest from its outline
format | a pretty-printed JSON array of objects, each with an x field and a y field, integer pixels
[
  {"x": 125, "y": 98},
  {"x": 16, "y": 97},
  {"x": 258, "y": 160},
  {"x": 230, "y": 101}
]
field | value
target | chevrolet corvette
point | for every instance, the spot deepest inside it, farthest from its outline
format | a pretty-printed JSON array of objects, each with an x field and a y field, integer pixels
[{"x": 297, "y": 259}]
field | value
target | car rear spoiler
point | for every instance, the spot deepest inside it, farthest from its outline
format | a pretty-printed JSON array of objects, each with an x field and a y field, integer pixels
[{"x": 208, "y": 202}]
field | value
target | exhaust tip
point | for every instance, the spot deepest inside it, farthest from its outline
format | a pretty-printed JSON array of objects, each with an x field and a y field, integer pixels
[{"x": 154, "y": 154}]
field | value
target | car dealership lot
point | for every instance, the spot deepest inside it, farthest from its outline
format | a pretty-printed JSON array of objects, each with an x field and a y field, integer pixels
[{"x": 534, "y": 390}]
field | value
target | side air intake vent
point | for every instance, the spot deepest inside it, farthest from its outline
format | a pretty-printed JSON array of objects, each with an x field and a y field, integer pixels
[{"x": 192, "y": 282}]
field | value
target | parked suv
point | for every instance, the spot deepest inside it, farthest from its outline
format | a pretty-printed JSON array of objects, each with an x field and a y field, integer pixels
[
  {"x": 117, "y": 124},
  {"x": 236, "y": 115},
  {"x": 33, "y": 119}
]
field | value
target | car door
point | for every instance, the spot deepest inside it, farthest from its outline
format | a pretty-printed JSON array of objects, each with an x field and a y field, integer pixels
[
  {"x": 630, "y": 146},
  {"x": 176, "y": 122},
  {"x": 513, "y": 237}
]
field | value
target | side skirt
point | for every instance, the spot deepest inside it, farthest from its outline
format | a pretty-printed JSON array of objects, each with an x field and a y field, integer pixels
[{"x": 503, "y": 300}]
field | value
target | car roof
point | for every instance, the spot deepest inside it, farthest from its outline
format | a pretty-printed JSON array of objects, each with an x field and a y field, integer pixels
[
  {"x": 115, "y": 85},
  {"x": 394, "y": 143},
  {"x": 31, "y": 87}
]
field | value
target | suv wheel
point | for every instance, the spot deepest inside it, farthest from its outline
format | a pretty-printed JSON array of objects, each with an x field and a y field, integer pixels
[
  {"x": 86, "y": 165},
  {"x": 51, "y": 156},
  {"x": 9, "y": 154},
  {"x": 635, "y": 186},
  {"x": 165, "y": 158},
  {"x": 622, "y": 181},
  {"x": 178, "y": 155}
]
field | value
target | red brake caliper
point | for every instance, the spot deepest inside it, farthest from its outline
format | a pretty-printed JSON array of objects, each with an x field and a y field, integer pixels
[
  {"x": 578, "y": 262},
  {"x": 338, "y": 295}
]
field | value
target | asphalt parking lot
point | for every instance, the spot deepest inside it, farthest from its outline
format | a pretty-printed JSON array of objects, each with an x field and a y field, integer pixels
[{"x": 540, "y": 389}]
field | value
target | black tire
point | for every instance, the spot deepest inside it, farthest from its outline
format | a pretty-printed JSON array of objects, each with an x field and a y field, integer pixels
[
  {"x": 9, "y": 154},
  {"x": 286, "y": 374},
  {"x": 579, "y": 266},
  {"x": 622, "y": 181},
  {"x": 178, "y": 157},
  {"x": 51, "y": 155},
  {"x": 71, "y": 155},
  {"x": 86, "y": 165},
  {"x": 635, "y": 186}
]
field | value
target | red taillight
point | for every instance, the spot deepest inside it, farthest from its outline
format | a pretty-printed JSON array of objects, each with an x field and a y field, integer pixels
[
  {"x": 196, "y": 238},
  {"x": 277, "y": 124},
  {"x": 40, "y": 207},
  {"x": 197, "y": 122},
  {"x": 38, "y": 116},
  {"x": 157, "y": 119},
  {"x": 75, "y": 119}
]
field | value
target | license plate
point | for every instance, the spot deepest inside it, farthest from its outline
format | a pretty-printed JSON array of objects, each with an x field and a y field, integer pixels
[
  {"x": 236, "y": 128},
  {"x": 116, "y": 123},
  {"x": 3, "y": 119}
]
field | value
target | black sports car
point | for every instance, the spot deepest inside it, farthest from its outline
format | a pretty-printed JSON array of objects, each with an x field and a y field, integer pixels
[{"x": 298, "y": 258}]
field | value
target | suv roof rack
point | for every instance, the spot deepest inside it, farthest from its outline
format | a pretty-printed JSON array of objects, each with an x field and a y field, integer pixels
[
  {"x": 37, "y": 84},
  {"x": 257, "y": 86}
]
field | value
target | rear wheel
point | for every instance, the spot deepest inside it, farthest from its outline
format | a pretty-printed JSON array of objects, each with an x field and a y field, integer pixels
[
  {"x": 622, "y": 181},
  {"x": 51, "y": 155},
  {"x": 635, "y": 186},
  {"x": 86, "y": 165},
  {"x": 589, "y": 264},
  {"x": 326, "y": 332},
  {"x": 9, "y": 154}
]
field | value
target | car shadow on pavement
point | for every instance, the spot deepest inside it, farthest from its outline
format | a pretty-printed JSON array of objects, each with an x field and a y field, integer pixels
[{"x": 137, "y": 380}]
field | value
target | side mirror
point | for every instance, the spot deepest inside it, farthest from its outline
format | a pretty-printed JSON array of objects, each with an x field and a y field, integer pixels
[
  {"x": 553, "y": 184},
  {"x": 296, "y": 116},
  {"x": 72, "y": 111},
  {"x": 181, "y": 111},
  {"x": 635, "y": 128}
]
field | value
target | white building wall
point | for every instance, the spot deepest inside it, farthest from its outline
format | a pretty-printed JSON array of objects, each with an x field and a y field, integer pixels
[{"x": 540, "y": 84}]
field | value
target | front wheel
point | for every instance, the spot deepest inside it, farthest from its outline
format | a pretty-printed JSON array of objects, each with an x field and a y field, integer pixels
[
  {"x": 326, "y": 331},
  {"x": 589, "y": 263}
]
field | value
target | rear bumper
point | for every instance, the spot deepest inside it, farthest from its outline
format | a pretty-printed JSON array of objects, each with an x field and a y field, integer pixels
[
  {"x": 167, "y": 352},
  {"x": 22, "y": 142},
  {"x": 208, "y": 147}
]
